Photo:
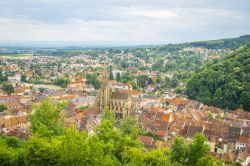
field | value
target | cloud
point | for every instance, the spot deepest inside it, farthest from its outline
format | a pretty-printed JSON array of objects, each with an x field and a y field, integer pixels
[{"x": 137, "y": 21}]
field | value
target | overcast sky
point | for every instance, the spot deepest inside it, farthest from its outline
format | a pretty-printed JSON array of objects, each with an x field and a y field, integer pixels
[{"x": 135, "y": 21}]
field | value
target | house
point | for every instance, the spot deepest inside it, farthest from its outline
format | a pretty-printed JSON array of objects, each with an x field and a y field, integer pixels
[
  {"x": 147, "y": 141},
  {"x": 242, "y": 142},
  {"x": 170, "y": 95},
  {"x": 118, "y": 86},
  {"x": 9, "y": 98},
  {"x": 234, "y": 134},
  {"x": 133, "y": 93},
  {"x": 229, "y": 157},
  {"x": 76, "y": 85},
  {"x": 15, "y": 79},
  {"x": 190, "y": 130},
  {"x": 28, "y": 75},
  {"x": 89, "y": 88},
  {"x": 194, "y": 105},
  {"x": 215, "y": 112},
  {"x": 177, "y": 103},
  {"x": 11, "y": 122},
  {"x": 18, "y": 134},
  {"x": 244, "y": 157},
  {"x": 56, "y": 95},
  {"x": 26, "y": 99},
  {"x": 151, "y": 88},
  {"x": 115, "y": 73}
]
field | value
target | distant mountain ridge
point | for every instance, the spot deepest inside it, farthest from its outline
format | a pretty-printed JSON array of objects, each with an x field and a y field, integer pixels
[{"x": 229, "y": 43}]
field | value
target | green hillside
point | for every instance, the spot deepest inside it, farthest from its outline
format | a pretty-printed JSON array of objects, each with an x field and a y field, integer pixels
[
  {"x": 230, "y": 43},
  {"x": 224, "y": 83}
]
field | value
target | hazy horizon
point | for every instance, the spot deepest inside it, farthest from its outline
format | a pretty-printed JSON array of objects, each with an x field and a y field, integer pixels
[
  {"x": 120, "y": 23},
  {"x": 93, "y": 44}
]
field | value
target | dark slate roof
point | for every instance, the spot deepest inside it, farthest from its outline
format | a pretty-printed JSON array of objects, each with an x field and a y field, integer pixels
[
  {"x": 192, "y": 130},
  {"x": 119, "y": 96}
]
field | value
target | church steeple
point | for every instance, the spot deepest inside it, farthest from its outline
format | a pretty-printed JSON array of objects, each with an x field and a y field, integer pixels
[{"x": 104, "y": 93}]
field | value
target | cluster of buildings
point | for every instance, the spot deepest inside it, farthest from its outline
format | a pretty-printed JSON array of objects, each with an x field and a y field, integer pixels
[
  {"x": 163, "y": 117},
  {"x": 228, "y": 133}
]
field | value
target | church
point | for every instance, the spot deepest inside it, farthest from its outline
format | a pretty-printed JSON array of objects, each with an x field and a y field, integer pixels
[{"x": 119, "y": 102}]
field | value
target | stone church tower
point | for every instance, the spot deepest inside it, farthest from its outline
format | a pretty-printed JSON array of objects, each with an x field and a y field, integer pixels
[
  {"x": 120, "y": 103},
  {"x": 103, "y": 97}
]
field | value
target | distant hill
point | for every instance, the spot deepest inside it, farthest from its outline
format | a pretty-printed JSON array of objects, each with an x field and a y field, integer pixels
[
  {"x": 231, "y": 43},
  {"x": 225, "y": 82}
]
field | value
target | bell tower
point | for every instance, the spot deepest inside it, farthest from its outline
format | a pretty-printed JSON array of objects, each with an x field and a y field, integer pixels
[{"x": 103, "y": 97}]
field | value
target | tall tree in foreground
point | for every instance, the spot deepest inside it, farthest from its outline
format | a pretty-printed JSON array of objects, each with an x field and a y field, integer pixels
[
  {"x": 179, "y": 151},
  {"x": 197, "y": 149},
  {"x": 47, "y": 119}
]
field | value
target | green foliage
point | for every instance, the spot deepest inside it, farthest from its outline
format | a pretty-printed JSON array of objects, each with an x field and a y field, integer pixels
[
  {"x": 232, "y": 43},
  {"x": 23, "y": 78},
  {"x": 6, "y": 153},
  {"x": 174, "y": 83},
  {"x": 8, "y": 88},
  {"x": 118, "y": 77},
  {"x": 141, "y": 156},
  {"x": 197, "y": 149},
  {"x": 47, "y": 120},
  {"x": 191, "y": 154},
  {"x": 224, "y": 83},
  {"x": 3, "y": 78},
  {"x": 92, "y": 79},
  {"x": 42, "y": 151},
  {"x": 209, "y": 161},
  {"x": 113, "y": 144},
  {"x": 62, "y": 82},
  {"x": 179, "y": 151},
  {"x": 142, "y": 81},
  {"x": 130, "y": 126},
  {"x": 2, "y": 108}
]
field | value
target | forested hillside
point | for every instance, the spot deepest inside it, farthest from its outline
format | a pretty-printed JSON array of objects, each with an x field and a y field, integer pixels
[
  {"x": 224, "y": 83},
  {"x": 231, "y": 43}
]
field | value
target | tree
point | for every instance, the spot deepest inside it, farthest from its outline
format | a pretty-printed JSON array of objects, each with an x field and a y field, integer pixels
[
  {"x": 2, "y": 108},
  {"x": 197, "y": 149},
  {"x": 209, "y": 160},
  {"x": 113, "y": 143},
  {"x": 74, "y": 148},
  {"x": 8, "y": 88},
  {"x": 174, "y": 82},
  {"x": 92, "y": 79},
  {"x": 6, "y": 153},
  {"x": 42, "y": 151},
  {"x": 62, "y": 82},
  {"x": 3, "y": 78},
  {"x": 142, "y": 81},
  {"x": 130, "y": 127},
  {"x": 23, "y": 78},
  {"x": 47, "y": 120},
  {"x": 218, "y": 96},
  {"x": 111, "y": 77},
  {"x": 223, "y": 83},
  {"x": 118, "y": 77},
  {"x": 140, "y": 156},
  {"x": 179, "y": 151},
  {"x": 245, "y": 100}
]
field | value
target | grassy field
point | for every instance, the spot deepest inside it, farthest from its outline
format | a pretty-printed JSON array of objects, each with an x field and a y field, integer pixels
[{"x": 15, "y": 55}]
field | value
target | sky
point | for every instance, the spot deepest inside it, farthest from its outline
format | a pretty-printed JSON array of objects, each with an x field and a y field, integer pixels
[{"x": 122, "y": 21}]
